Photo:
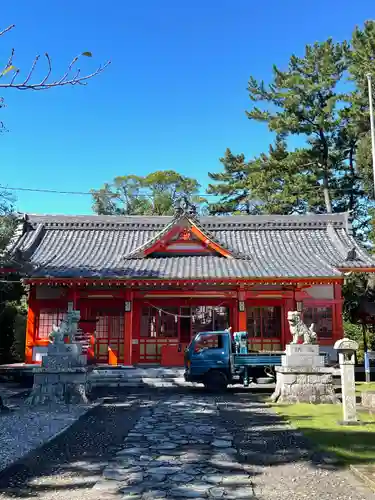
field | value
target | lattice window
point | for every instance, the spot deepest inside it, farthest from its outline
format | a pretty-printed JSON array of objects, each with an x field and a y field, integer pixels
[
  {"x": 109, "y": 326},
  {"x": 254, "y": 322},
  {"x": 264, "y": 322},
  {"x": 322, "y": 319},
  {"x": 162, "y": 324},
  {"x": 46, "y": 319},
  {"x": 148, "y": 322},
  {"x": 168, "y": 322},
  {"x": 220, "y": 318},
  {"x": 209, "y": 318},
  {"x": 116, "y": 327}
]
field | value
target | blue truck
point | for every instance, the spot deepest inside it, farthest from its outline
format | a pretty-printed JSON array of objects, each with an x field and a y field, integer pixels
[{"x": 218, "y": 359}]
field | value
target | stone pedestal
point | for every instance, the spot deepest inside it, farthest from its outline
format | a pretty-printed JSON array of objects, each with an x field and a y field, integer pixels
[
  {"x": 303, "y": 378},
  {"x": 302, "y": 355},
  {"x": 62, "y": 377}
]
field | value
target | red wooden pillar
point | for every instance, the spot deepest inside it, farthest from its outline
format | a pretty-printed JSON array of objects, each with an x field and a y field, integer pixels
[
  {"x": 30, "y": 326},
  {"x": 338, "y": 326},
  {"x": 241, "y": 311},
  {"x": 128, "y": 327}
]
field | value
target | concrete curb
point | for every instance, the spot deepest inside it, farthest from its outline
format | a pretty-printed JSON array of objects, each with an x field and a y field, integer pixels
[{"x": 363, "y": 476}]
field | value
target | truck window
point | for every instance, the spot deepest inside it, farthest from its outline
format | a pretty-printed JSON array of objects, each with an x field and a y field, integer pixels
[{"x": 208, "y": 342}]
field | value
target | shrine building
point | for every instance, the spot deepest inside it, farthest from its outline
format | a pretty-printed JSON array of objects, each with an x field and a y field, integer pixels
[{"x": 145, "y": 285}]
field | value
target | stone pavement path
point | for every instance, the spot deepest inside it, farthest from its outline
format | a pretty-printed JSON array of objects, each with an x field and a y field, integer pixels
[
  {"x": 179, "y": 444},
  {"x": 198, "y": 446},
  {"x": 177, "y": 451}
]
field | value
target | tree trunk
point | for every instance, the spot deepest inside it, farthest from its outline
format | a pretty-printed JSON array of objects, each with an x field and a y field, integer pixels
[
  {"x": 353, "y": 178},
  {"x": 327, "y": 198}
]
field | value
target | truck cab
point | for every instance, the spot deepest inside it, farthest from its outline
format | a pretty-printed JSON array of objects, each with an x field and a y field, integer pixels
[{"x": 216, "y": 360}]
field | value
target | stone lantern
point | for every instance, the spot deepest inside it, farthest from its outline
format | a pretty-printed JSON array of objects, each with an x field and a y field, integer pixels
[{"x": 346, "y": 349}]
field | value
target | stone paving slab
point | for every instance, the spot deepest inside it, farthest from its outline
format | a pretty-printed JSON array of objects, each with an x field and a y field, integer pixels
[
  {"x": 177, "y": 450},
  {"x": 199, "y": 446},
  {"x": 179, "y": 443}
]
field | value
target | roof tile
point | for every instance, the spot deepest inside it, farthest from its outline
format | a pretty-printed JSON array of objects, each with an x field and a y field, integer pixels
[{"x": 263, "y": 246}]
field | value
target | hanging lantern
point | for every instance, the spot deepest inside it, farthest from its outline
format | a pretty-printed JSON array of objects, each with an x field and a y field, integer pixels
[{"x": 175, "y": 318}]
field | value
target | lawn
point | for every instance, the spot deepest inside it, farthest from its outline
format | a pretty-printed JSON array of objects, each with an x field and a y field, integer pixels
[
  {"x": 352, "y": 445},
  {"x": 362, "y": 387}
]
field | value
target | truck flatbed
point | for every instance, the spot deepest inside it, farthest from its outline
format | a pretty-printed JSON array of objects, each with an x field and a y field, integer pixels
[{"x": 257, "y": 359}]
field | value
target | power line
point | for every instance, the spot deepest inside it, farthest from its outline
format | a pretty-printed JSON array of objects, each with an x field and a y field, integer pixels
[
  {"x": 142, "y": 195},
  {"x": 36, "y": 190}
]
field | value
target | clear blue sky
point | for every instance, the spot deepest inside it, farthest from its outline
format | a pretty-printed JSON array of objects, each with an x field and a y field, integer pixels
[{"x": 174, "y": 96}]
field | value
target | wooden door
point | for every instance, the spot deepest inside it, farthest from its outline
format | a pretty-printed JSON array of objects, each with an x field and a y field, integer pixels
[{"x": 264, "y": 327}]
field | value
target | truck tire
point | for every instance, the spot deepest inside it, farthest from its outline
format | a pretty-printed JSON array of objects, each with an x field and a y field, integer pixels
[{"x": 215, "y": 381}]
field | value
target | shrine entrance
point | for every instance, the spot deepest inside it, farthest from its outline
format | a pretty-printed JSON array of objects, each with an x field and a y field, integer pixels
[{"x": 162, "y": 324}]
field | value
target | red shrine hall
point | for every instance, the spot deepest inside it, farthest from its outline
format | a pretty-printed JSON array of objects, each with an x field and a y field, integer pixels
[{"x": 146, "y": 285}]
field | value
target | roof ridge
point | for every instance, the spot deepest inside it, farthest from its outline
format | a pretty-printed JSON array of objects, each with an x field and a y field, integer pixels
[{"x": 208, "y": 223}]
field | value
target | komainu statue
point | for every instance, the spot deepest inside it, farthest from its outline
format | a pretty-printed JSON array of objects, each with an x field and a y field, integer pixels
[
  {"x": 299, "y": 330},
  {"x": 68, "y": 327}
]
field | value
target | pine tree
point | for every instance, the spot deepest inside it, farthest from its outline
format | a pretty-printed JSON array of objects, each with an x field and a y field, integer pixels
[
  {"x": 276, "y": 183},
  {"x": 312, "y": 99},
  {"x": 305, "y": 101}
]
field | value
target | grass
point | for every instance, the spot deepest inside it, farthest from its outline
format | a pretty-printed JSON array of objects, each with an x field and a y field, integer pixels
[
  {"x": 351, "y": 445},
  {"x": 363, "y": 387}
]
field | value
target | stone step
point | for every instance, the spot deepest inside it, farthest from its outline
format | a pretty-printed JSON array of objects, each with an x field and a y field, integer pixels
[
  {"x": 136, "y": 373},
  {"x": 139, "y": 383}
]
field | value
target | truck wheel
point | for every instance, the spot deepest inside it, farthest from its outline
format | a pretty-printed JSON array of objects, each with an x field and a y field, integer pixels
[{"x": 215, "y": 381}]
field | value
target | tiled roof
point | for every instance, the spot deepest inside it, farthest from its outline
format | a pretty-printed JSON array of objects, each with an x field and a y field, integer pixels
[{"x": 262, "y": 246}]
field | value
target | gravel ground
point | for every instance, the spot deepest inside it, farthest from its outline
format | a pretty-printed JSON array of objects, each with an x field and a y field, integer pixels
[
  {"x": 23, "y": 429},
  {"x": 68, "y": 467},
  {"x": 277, "y": 460},
  {"x": 282, "y": 461}
]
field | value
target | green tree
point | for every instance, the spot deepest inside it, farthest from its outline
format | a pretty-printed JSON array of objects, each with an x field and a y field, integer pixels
[
  {"x": 272, "y": 183},
  {"x": 304, "y": 100},
  {"x": 359, "y": 306},
  {"x": 361, "y": 59},
  {"x": 154, "y": 194},
  {"x": 321, "y": 97}
]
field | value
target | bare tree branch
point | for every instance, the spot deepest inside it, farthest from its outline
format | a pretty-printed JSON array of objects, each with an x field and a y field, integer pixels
[
  {"x": 7, "y": 29},
  {"x": 49, "y": 69},
  {"x": 31, "y": 70},
  {"x": 66, "y": 79},
  {"x": 10, "y": 61}
]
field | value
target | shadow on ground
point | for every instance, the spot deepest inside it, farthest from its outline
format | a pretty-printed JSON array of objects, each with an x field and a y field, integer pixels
[{"x": 74, "y": 461}]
